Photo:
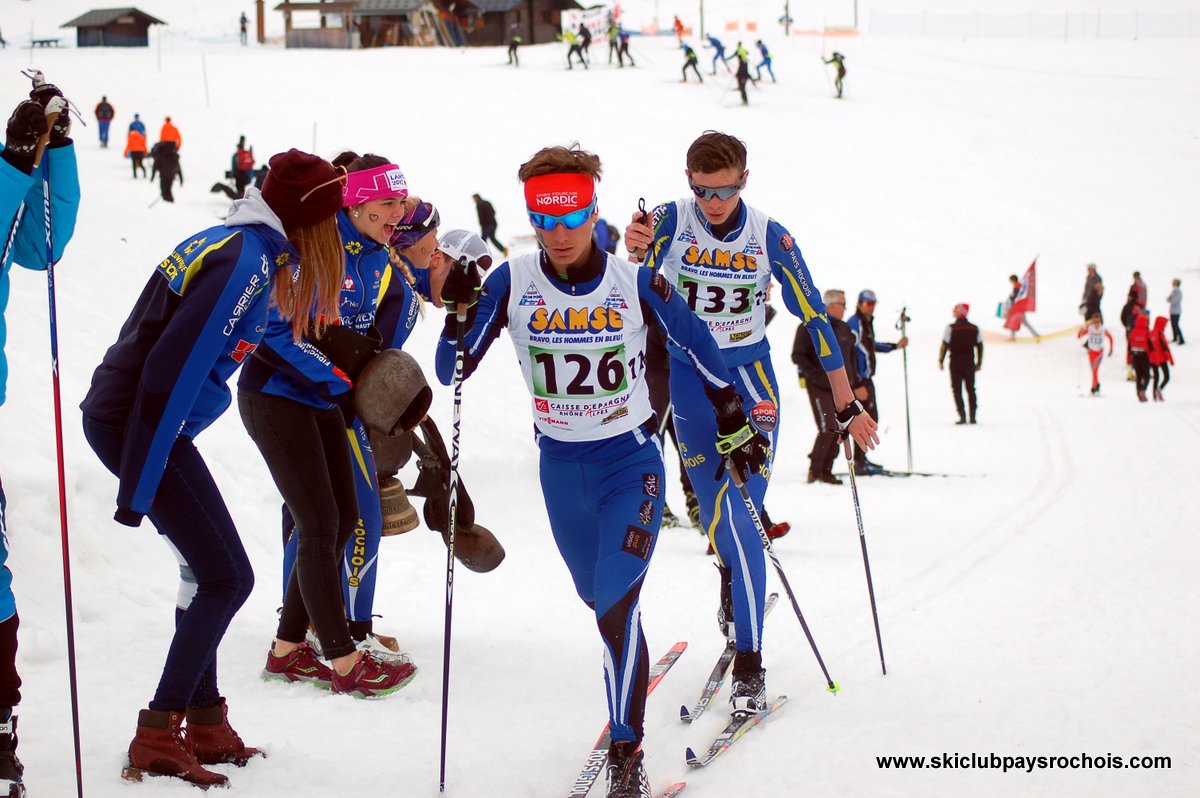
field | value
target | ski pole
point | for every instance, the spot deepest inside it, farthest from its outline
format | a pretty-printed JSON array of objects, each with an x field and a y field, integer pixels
[
  {"x": 831, "y": 685},
  {"x": 460, "y": 333},
  {"x": 903, "y": 325},
  {"x": 862, "y": 539},
  {"x": 51, "y": 118}
]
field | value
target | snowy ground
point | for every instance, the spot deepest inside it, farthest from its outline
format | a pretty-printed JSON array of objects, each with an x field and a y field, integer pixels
[{"x": 1038, "y": 602}]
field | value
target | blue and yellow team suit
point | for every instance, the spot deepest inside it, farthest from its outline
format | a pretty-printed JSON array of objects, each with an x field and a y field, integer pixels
[
  {"x": 373, "y": 292},
  {"x": 162, "y": 383},
  {"x": 581, "y": 341},
  {"x": 725, "y": 280},
  {"x": 29, "y": 250}
]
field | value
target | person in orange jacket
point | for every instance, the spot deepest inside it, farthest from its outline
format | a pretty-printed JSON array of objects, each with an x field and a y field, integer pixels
[
  {"x": 170, "y": 133},
  {"x": 1160, "y": 356},
  {"x": 135, "y": 150}
]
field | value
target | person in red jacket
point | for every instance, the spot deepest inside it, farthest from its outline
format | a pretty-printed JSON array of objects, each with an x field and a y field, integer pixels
[
  {"x": 1139, "y": 352},
  {"x": 1160, "y": 356}
]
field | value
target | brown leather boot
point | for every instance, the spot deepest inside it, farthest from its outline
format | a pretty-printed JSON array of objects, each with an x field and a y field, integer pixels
[
  {"x": 160, "y": 748},
  {"x": 213, "y": 740}
]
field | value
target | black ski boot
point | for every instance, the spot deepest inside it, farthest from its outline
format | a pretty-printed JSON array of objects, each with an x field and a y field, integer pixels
[
  {"x": 12, "y": 784},
  {"x": 626, "y": 775},
  {"x": 725, "y": 610},
  {"x": 693, "y": 509},
  {"x": 749, "y": 694}
]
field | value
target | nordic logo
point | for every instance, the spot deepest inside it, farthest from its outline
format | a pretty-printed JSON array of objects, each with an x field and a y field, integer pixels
[{"x": 557, "y": 199}]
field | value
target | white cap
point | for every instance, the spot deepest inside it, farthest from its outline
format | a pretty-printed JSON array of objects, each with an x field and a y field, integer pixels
[{"x": 458, "y": 244}]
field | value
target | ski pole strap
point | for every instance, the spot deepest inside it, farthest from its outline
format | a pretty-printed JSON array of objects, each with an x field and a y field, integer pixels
[
  {"x": 734, "y": 440},
  {"x": 847, "y": 414}
]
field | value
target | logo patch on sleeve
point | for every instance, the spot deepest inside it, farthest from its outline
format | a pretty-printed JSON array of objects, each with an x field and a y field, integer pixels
[
  {"x": 660, "y": 286},
  {"x": 765, "y": 416},
  {"x": 638, "y": 542},
  {"x": 646, "y": 512},
  {"x": 650, "y": 485},
  {"x": 786, "y": 243}
]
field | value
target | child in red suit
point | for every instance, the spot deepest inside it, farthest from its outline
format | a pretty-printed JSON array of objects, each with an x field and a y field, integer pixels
[
  {"x": 1139, "y": 353},
  {"x": 1160, "y": 356}
]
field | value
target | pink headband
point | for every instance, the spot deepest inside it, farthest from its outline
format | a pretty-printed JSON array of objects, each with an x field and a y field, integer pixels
[{"x": 379, "y": 182}]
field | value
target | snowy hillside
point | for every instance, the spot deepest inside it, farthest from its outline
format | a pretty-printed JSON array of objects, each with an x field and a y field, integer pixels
[{"x": 1039, "y": 601}]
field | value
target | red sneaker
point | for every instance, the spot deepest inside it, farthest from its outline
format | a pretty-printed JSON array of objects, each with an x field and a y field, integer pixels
[
  {"x": 779, "y": 530},
  {"x": 300, "y": 665},
  {"x": 372, "y": 678}
]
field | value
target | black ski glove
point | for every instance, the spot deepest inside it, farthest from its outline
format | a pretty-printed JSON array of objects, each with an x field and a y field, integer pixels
[
  {"x": 45, "y": 94},
  {"x": 463, "y": 284},
  {"x": 738, "y": 442},
  {"x": 26, "y": 125}
]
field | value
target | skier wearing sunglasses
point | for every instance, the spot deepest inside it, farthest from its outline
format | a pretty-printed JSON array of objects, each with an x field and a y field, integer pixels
[
  {"x": 721, "y": 255},
  {"x": 578, "y": 318}
]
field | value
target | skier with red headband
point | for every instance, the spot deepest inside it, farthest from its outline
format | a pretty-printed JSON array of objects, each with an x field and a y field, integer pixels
[
  {"x": 964, "y": 343},
  {"x": 578, "y": 318}
]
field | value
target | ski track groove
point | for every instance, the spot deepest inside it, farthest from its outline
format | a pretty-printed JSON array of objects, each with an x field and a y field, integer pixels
[{"x": 1001, "y": 531}]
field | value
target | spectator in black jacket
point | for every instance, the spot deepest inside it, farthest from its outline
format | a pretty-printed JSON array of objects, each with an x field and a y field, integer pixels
[
  {"x": 965, "y": 345},
  {"x": 820, "y": 394},
  {"x": 487, "y": 222},
  {"x": 165, "y": 156}
]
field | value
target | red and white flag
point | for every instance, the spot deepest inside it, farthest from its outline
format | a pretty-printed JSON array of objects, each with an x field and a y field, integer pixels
[{"x": 1026, "y": 299}]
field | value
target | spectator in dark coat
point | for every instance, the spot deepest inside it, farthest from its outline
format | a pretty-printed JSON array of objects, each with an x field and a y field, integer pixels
[
  {"x": 165, "y": 158},
  {"x": 820, "y": 394},
  {"x": 487, "y": 222}
]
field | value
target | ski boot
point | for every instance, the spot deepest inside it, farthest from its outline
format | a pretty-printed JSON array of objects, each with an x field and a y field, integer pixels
[
  {"x": 749, "y": 694},
  {"x": 160, "y": 748},
  {"x": 725, "y": 609},
  {"x": 693, "y": 510},
  {"x": 213, "y": 740},
  {"x": 669, "y": 519},
  {"x": 12, "y": 784},
  {"x": 626, "y": 774}
]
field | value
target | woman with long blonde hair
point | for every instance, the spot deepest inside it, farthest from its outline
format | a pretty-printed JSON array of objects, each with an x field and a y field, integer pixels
[{"x": 201, "y": 314}]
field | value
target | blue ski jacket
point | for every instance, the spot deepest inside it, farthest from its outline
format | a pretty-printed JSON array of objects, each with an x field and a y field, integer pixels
[
  {"x": 29, "y": 250},
  {"x": 202, "y": 312}
]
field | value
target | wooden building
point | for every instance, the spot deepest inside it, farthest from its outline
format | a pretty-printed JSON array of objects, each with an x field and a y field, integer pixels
[{"x": 113, "y": 27}]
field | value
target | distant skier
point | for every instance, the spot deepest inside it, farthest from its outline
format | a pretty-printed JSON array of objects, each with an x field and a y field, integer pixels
[
  {"x": 170, "y": 133},
  {"x": 766, "y": 62},
  {"x": 138, "y": 125},
  {"x": 1160, "y": 356},
  {"x": 820, "y": 393},
  {"x": 614, "y": 39},
  {"x": 585, "y": 43},
  {"x": 487, "y": 222},
  {"x": 965, "y": 345},
  {"x": 165, "y": 164},
  {"x": 242, "y": 167},
  {"x": 573, "y": 49},
  {"x": 1139, "y": 353},
  {"x": 135, "y": 150},
  {"x": 690, "y": 59},
  {"x": 718, "y": 54},
  {"x": 624, "y": 53},
  {"x": 1095, "y": 333},
  {"x": 1175, "y": 299},
  {"x": 840, "y": 60},
  {"x": 743, "y": 72},
  {"x": 514, "y": 41},
  {"x": 863, "y": 324},
  {"x": 242, "y": 24},
  {"x": 104, "y": 118}
]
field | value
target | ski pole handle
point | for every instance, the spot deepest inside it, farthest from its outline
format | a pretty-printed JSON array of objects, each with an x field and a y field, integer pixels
[
  {"x": 51, "y": 118},
  {"x": 640, "y": 254}
]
